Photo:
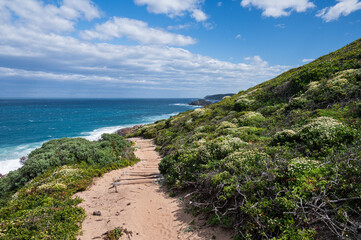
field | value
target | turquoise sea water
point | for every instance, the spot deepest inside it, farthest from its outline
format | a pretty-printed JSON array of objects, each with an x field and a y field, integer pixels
[{"x": 26, "y": 124}]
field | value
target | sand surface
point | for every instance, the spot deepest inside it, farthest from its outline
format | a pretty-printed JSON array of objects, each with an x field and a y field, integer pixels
[{"x": 140, "y": 204}]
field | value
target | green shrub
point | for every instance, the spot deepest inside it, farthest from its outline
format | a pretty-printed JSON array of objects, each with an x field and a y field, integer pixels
[
  {"x": 324, "y": 131},
  {"x": 44, "y": 207},
  {"x": 283, "y": 137},
  {"x": 67, "y": 151},
  {"x": 243, "y": 103}
]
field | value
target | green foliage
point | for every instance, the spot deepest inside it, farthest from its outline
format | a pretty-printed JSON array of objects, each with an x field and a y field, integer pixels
[
  {"x": 66, "y": 151},
  {"x": 323, "y": 132},
  {"x": 43, "y": 207},
  {"x": 114, "y": 234},
  {"x": 281, "y": 160}
]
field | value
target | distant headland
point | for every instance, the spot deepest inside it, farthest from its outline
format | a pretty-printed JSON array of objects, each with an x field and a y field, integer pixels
[{"x": 209, "y": 99}]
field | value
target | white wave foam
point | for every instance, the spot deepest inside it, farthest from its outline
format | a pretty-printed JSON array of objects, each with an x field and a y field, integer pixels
[
  {"x": 183, "y": 105},
  {"x": 9, "y": 165},
  {"x": 10, "y": 156},
  {"x": 97, "y": 133},
  {"x": 152, "y": 119},
  {"x": 180, "y": 104}
]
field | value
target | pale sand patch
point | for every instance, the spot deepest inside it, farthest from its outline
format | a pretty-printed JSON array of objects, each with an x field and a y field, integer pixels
[{"x": 140, "y": 205}]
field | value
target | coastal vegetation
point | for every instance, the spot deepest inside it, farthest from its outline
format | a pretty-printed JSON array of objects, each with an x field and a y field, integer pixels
[
  {"x": 36, "y": 200},
  {"x": 281, "y": 160}
]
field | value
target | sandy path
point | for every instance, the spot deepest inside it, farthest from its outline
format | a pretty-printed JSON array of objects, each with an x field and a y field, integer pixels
[{"x": 140, "y": 205}]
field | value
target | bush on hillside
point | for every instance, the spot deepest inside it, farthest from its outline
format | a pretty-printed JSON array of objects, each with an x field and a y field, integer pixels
[
  {"x": 67, "y": 151},
  {"x": 324, "y": 131}
]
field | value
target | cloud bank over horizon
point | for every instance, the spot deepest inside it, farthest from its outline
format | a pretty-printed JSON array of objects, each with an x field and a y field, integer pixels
[
  {"x": 74, "y": 44},
  {"x": 47, "y": 52}
]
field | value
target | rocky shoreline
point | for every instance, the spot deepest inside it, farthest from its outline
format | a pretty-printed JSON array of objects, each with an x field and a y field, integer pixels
[{"x": 128, "y": 130}]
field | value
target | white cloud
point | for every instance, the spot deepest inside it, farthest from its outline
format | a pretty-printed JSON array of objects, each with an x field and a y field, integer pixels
[
  {"x": 47, "y": 17},
  {"x": 135, "y": 30},
  {"x": 306, "y": 60},
  {"x": 239, "y": 36},
  {"x": 280, "y": 25},
  {"x": 219, "y": 4},
  {"x": 55, "y": 57},
  {"x": 174, "y": 8},
  {"x": 278, "y": 8},
  {"x": 199, "y": 15},
  {"x": 32, "y": 53},
  {"x": 342, "y": 8},
  {"x": 181, "y": 26}
]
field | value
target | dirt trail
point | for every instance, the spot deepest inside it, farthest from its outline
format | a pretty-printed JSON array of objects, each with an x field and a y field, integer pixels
[{"x": 140, "y": 204}]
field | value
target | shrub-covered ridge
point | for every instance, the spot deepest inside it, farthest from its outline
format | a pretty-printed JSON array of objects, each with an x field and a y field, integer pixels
[
  {"x": 281, "y": 160},
  {"x": 36, "y": 200}
]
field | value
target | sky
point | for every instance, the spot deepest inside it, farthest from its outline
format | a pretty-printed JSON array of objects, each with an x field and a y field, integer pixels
[{"x": 162, "y": 48}]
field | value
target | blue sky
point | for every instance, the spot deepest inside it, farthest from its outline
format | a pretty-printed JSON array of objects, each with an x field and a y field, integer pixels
[{"x": 162, "y": 48}]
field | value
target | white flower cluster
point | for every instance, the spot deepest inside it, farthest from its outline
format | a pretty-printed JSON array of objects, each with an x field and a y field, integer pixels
[
  {"x": 189, "y": 121},
  {"x": 231, "y": 131},
  {"x": 313, "y": 85},
  {"x": 198, "y": 112},
  {"x": 67, "y": 171},
  {"x": 53, "y": 185},
  {"x": 223, "y": 145},
  {"x": 284, "y": 135},
  {"x": 201, "y": 141},
  {"x": 199, "y": 129},
  {"x": 301, "y": 165},
  {"x": 299, "y": 101},
  {"x": 244, "y": 101},
  {"x": 245, "y": 160},
  {"x": 226, "y": 124},
  {"x": 253, "y": 115},
  {"x": 234, "y": 142},
  {"x": 324, "y": 129}
]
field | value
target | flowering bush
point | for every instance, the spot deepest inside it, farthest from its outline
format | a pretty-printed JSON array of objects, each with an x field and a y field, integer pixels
[
  {"x": 245, "y": 162},
  {"x": 226, "y": 124},
  {"x": 298, "y": 102},
  {"x": 251, "y": 119},
  {"x": 243, "y": 103},
  {"x": 301, "y": 165},
  {"x": 324, "y": 131},
  {"x": 283, "y": 136},
  {"x": 223, "y": 146}
]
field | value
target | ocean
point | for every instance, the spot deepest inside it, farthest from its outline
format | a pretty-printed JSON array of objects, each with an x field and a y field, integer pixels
[{"x": 26, "y": 124}]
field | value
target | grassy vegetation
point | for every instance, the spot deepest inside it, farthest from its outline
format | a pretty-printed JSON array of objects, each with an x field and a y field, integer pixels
[
  {"x": 281, "y": 160},
  {"x": 36, "y": 200}
]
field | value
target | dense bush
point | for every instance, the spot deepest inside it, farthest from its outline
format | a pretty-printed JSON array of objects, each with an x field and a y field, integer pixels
[
  {"x": 43, "y": 207},
  {"x": 66, "y": 151},
  {"x": 281, "y": 160}
]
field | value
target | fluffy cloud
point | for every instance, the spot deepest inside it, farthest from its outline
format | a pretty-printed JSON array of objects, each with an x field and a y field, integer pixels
[
  {"x": 27, "y": 55},
  {"x": 30, "y": 54},
  {"x": 278, "y": 8},
  {"x": 174, "y": 8},
  {"x": 343, "y": 7},
  {"x": 306, "y": 60},
  {"x": 135, "y": 30},
  {"x": 47, "y": 17}
]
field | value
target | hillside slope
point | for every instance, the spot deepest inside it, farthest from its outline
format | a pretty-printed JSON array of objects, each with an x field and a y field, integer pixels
[
  {"x": 36, "y": 201},
  {"x": 281, "y": 160}
]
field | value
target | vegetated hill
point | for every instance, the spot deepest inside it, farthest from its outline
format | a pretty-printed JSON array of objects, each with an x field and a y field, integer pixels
[
  {"x": 36, "y": 201},
  {"x": 218, "y": 97},
  {"x": 281, "y": 160}
]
